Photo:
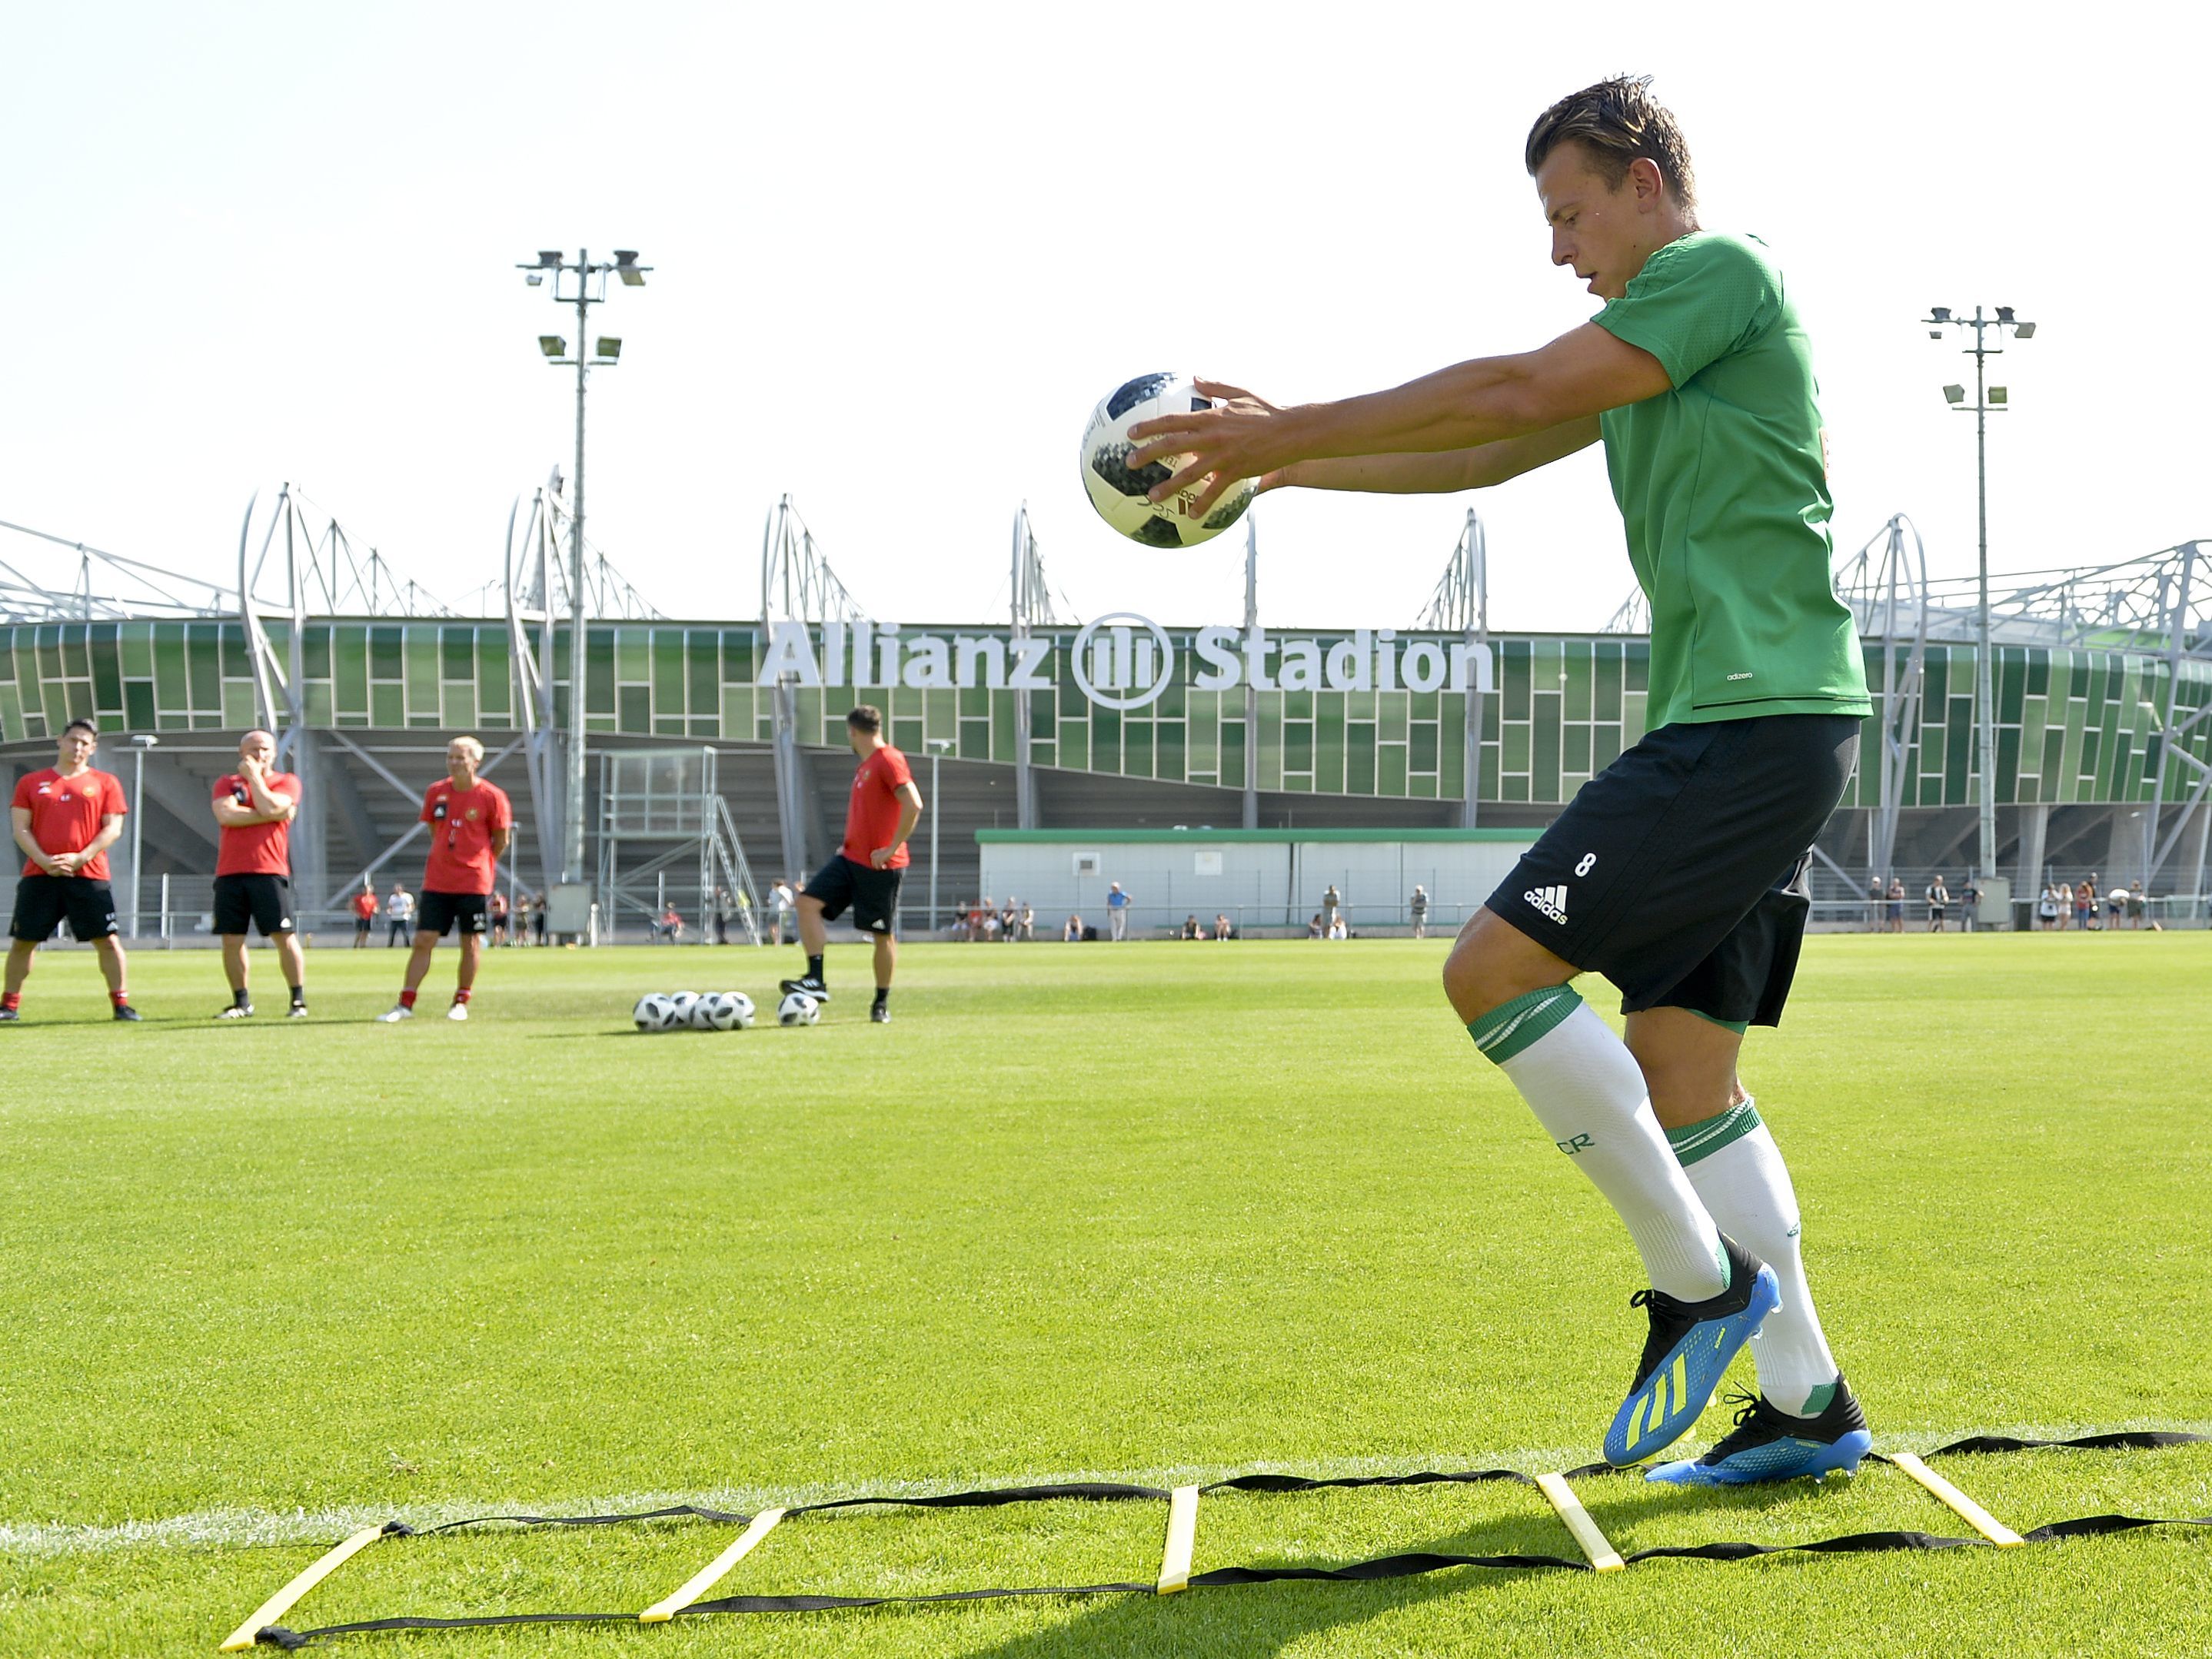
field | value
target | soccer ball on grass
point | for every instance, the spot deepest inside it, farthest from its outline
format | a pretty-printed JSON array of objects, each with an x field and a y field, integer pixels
[
  {"x": 797, "y": 1009},
  {"x": 654, "y": 1012}
]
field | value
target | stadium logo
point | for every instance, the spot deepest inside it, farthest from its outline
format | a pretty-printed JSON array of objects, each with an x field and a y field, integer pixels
[{"x": 1122, "y": 661}]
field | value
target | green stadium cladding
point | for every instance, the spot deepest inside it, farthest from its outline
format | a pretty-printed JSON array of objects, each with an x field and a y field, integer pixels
[{"x": 2073, "y": 725}]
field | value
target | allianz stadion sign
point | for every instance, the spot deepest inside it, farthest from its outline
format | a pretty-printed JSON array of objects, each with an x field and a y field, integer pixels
[{"x": 1122, "y": 661}]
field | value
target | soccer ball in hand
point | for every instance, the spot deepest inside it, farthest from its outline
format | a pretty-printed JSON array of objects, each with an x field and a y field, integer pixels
[
  {"x": 654, "y": 1012},
  {"x": 1119, "y": 493},
  {"x": 797, "y": 1009}
]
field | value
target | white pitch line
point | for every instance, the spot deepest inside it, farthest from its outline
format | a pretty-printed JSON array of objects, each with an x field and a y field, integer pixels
[{"x": 244, "y": 1528}]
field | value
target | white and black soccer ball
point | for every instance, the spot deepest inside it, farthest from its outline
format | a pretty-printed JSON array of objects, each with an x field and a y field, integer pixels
[
  {"x": 1119, "y": 493},
  {"x": 722, "y": 1010},
  {"x": 681, "y": 1004},
  {"x": 654, "y": 1012},
  {"x": 797, "y": 1008}
]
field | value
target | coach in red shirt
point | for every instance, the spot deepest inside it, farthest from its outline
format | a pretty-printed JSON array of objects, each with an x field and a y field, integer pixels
[
  {"x": 255, "y": 806},
  {"x": 470, "y": 822},
  {"x": 65, "y": 819},
  {"x": 866, "y": 873}
]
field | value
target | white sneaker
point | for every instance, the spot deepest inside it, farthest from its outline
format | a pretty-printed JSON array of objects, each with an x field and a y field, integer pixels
[
  {"x": 392, "y": 1017},
  {"x": 459, "y": 1011}
]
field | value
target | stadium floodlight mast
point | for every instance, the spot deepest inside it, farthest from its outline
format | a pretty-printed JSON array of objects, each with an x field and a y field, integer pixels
[
  {"x": 583, "y": 284},
  {"x": 1988, "y": 400},
  {"x": 139, "y": 744},
  {"x": 937, "y": 748}
]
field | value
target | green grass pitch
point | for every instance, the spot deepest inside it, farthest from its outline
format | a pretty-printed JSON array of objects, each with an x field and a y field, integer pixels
[{"x": 1156, "y": 1211}]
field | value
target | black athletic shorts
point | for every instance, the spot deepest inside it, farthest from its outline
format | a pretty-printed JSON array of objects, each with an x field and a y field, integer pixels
[
  {"x": 264, "y": 900},
  {"x": 363, "y": 924},
  {"x": 41, "y": 902},
  {"x": 435, "y": 914},
  {"x": 1681, "y": 872},
  {"x": 872, "y": 894}
]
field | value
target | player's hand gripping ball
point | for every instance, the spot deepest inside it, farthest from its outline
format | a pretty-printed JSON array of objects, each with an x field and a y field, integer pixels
[
  {"x": 797, "y": 1009},
  {"x": 1119, "y": 493},
  {"x": 654, "y": 1012}
]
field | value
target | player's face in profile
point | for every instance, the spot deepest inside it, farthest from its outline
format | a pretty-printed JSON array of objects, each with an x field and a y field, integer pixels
[{"x": 1602, "y": 233}]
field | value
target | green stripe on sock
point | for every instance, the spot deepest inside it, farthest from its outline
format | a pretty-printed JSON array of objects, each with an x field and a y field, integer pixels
[
  {"x": 1508, "y": 1028},
  {"x": 1695, "y": 1140}
]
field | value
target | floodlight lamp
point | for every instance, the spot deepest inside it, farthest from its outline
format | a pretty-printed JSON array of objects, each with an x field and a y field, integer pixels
[
  {"x": 1939, "y": 314},
  {"x": 549, "y": 257},
  {"x": 552, "y": 344},
  {"x": 2023, "y": 332},
  {"x": 1997, "y": 395},
  {"x": 609, "y": 347},
  {"x": 1954, "y": 394},
  {"x": 1933, "y": 333},
  {"x": 534, "y": 278},
  {"x": 2004, "y": 314},
  {"x": 627, "y": 268}
]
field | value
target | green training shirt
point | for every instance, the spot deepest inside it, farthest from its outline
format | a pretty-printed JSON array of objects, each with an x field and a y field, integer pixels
[{"x": 1723, "y": 485}]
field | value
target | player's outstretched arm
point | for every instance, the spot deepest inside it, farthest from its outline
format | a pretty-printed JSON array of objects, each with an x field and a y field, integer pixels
[
  {"x": 1443, "y": 474},
  {"x": 1582, "y": 373}
]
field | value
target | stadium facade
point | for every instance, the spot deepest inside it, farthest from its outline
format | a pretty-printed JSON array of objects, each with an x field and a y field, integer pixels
[{"x": 2102, "y": 743}]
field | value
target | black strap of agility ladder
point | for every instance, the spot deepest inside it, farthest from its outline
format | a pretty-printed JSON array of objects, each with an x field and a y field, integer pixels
[{"x": 1401, "y": 1565}]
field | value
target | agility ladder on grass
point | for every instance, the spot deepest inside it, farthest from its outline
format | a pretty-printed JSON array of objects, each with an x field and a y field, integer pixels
[{"x": 1174, "y": 1574}]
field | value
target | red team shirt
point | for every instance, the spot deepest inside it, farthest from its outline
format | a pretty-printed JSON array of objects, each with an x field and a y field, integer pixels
[
  {"x": 65, "y": 813},
  {"x": 256, "y": 849},
  {"x": 871, "y": 818},
  {"x": 461, "y": 825},
  {"x": 364, "y": 906}
]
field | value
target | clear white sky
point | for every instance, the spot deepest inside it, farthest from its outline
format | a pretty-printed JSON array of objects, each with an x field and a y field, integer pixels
[{"x": 901, "y": 250}]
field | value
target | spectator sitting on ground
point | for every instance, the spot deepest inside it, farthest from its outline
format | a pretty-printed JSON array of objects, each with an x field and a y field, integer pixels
[
  {"x": 1314, "y": 929},
  {"x": 1191, "y": 929},
  {"x": 1073, "y": 933},
  {"x": 1224, "y": 928},
  {"x": 670, "y": 926},
  {"x": 1340, "y": 928},
  {"x": 990, "y": 923}
]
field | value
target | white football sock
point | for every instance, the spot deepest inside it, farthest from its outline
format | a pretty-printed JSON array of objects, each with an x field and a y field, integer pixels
[
  {"x": 1733, "y": 1162},
  {"x": 1587, "y": 1092}
]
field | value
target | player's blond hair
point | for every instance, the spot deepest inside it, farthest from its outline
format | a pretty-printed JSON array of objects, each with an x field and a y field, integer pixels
[
  {"x": 475, "y": 749},
  {"x": 1617, "y": 122}
]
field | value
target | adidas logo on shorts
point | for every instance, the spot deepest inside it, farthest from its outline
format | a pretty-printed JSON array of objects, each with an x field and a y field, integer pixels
[{"x": 1552, "y": 901}]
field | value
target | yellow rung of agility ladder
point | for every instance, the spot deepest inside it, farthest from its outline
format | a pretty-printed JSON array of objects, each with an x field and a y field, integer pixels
[
  {"x": 1602, "y": 1555},
  {"x": 1182, "y": 1538},
  {"x": 281, "y": 1603},
  {"x": 709, "y": 1576},
  {"x": 1974, "y": 1515}
]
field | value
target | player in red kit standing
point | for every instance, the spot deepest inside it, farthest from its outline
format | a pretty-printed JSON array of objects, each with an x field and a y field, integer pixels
[
  {"x": 255, "y": 806},
  {"x": 866, "y": 873},
  {"x": 65, "y": 818},
  {"x": 470, "y": 822}
]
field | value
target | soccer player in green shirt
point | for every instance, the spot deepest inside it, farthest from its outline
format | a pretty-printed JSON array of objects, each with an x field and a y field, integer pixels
[{"x": 1680, "y": 872}]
